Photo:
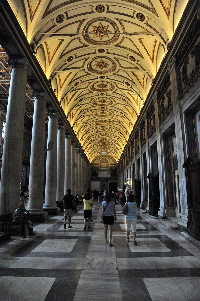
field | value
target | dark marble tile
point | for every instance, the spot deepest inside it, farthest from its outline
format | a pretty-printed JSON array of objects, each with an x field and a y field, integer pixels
[
  {"x": 64, "y": 288},
  {"x": 133, "y": 289},
  {"x": 158, "y": 273}
]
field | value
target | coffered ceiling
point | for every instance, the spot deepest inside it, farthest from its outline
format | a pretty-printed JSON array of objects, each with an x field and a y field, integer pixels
[{"x": 100, "y": 58}]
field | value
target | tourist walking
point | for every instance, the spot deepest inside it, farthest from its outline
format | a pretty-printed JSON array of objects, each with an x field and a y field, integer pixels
[
  {"x": 108, "y": 217},
  {"x": 131, "y": 217},
  {"x": 69, "y": 207},
  {"x": 87, "y": 203}
]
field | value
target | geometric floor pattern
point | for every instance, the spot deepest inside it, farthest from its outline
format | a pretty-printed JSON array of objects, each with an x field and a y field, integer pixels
[{"x": 61, "y": 264}]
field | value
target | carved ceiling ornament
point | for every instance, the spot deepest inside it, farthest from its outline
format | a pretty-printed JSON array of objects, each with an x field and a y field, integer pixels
[
  {"x": 102, "y": 86},
  {"x": 101, "y": 31},
  {"x": 101, "y": 65},
  {"x": 100, "y": 8}
]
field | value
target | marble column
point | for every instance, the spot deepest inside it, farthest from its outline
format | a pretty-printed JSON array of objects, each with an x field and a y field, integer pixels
[
  {"x": 51, "y": 166},
  {"x": 79, "y": 173},
  {"x": 13, "y": 138},
  {"x": 84, "y": 188},
  {"x": 76, "y": 171},
  {"x": 68, "y": 175},
  {"x": 36, "y": 178},
  {"x": 60, "y": 163},
  {"x": 73, "y": 169},
  {"x": 160, "y": 151}
]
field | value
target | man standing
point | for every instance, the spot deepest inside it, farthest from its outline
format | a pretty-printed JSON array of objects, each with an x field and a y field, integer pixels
[{"x": 69, "y": 206}]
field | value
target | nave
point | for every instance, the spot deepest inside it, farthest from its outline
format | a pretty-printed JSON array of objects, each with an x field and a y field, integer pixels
[{"x": 75, "y": 265}]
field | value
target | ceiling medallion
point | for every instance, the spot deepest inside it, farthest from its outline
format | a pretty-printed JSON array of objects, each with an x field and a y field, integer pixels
[
  {"x": 132, "y": 58},
  {"x": 101, "y": 31},
  {"x": 100, "y": 8},
  {"x": 60, "y": 18},
  {"x": 102, "y": 114},
  {"x": 102, "y": 86},
  {"x": 105, "y": 101},
  {"x": 102, "y": 65},
  {"x": 70, "y": 58},
  {"x": 140, "y": 17},
  {"x": 101, "y": 50}
]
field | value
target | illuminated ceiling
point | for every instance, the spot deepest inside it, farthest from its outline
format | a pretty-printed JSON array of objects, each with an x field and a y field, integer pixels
[{"x": 101, "y": 59}]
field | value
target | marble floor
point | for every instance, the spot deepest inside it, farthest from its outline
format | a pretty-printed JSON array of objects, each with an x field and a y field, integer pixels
[{"x": 77, "y": 265}]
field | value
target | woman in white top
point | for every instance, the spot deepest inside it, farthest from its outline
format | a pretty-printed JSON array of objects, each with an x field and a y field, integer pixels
[
  {"x": 131, "y": 217},
  {"x": 108, "y": 216}
]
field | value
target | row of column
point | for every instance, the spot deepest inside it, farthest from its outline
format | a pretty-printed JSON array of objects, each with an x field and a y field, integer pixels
[
  {"x": 143, "y": 161},
  {"x": 65, "y": 167}
]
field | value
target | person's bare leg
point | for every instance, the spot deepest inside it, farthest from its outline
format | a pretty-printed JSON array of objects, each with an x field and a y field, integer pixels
[
  {"x": 65, "y": 221},
  {"x": 105, "y": 231},
  {"x": 110, "y": 234},
  {"x": 134, "y": 238},
  {"x": 69, "y": 221},
  {"x": 85, "y": 223},
  {"x": 127, "y": 236}
]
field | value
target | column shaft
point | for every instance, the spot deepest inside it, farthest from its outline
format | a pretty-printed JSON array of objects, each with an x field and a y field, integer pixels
[
  {"x": 73, "y": 169},
  {"x": 76, "y": 171},
  {"x": 67, "y": 183},
  {"x": 36, "y": 178},
  {"x": 79, "y": 174},
  {"x": 60, "y": 163},
  {"x": 13, "y": 139},
  {"x": 51, "y": 164}
]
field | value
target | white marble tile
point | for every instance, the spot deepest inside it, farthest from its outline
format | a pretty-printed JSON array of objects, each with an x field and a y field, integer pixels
[
  {"x": 139, "y": 226},
  {"x": 99, "y": 263},
  {"x": 103, "y": 247},
  {"x": 174, "y": 288},
  {"x": 6, "y": 262},
  {"x": 56, "y": 245},
  {"x": 42, "y": 227},
  {"x": 74, "y": 227},
  {"x": 47, "y": 263},
  {"x": 77, "y": 217},
  {"x": 25, "y": 288},
  {"x": 158, "y": 263},
  {"x": 148, "y": 245},
  {"x": 95, "y": 285}
]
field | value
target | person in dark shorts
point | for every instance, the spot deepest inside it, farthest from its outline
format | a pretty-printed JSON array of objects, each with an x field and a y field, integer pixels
[
  {"x": 108, "y": 216},
  {"x": 69, "y": 207},
  {"x": 87, "y": 202}
]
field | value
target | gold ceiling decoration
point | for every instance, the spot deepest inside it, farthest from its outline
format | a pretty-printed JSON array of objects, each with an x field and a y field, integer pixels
[{"x": 101, "y": 59}]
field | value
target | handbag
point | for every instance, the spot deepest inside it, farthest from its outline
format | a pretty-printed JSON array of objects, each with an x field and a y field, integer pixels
[{"x": 125, "y": 209}]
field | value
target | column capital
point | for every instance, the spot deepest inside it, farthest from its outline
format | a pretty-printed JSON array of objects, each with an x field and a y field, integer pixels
[
  {"x": 52, "y": 115},
  {"x": 198, "y": 13},
  {"x": 38, "y": 94},
  {"x": 171, "y": 64},
  {"x": 60, "y": 124},
  {"x": 18, "y": 62},
  {"x": 67, "y": 135}
]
